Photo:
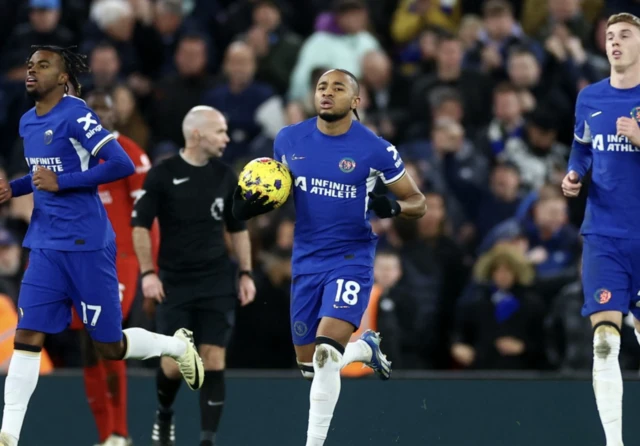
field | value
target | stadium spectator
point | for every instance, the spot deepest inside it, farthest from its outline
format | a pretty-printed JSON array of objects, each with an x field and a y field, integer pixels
[
  {"x": 536, "y": 152},
  {"x": 507, "y": 122},
  {"x": 502, "y": 326},
  {"x": 176, "y": 94},
  {"x": 274, "y": 45},
  {"x": 129, "y": 121},
  {"x": 43, "y": 26},
  {"x": 252, "y": 108},
  {"x": 105, "y": 65},
  {"x": 474, "y": 87},
  {"x": 329, "y": 49},
  {"x": 412, "y": 15},
  {"x": 501, "y": 33},
  {"x": 113, "y": 21},
  {"x": 388, "y": 94}
]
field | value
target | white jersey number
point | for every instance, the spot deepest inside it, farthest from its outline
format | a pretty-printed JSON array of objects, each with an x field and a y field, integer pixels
[
  {"x": 97, "y": 309},
  {"x": 347, "y": 291}
]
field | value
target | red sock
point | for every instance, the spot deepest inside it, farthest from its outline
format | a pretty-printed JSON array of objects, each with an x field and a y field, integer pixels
[
  {"x": 117, "y": 378},
  {"x": 95, "y": 385}
]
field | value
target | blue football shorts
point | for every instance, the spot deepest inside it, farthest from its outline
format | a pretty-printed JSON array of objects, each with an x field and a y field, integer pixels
[
  {"x": 340, "y": 293},
  {"x": 56, "y": 280},
  {"x": 611, "y": 275}
]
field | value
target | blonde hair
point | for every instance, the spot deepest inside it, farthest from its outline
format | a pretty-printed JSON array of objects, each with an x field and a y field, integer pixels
[
  {"x": 508, "y": 255},
  {"x": 624, "y": 17}
]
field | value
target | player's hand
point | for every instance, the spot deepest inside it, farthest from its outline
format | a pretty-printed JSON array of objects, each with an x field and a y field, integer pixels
[
  {"x": 246, "y": 290},
  {"x": 538, "y": 255},
  {"x": 629, "y": 127},
  {"x": 463, "y": 353},
  {"x": 244, "y": 209},
  {"x": 45, "y": 179},
  {"x": 383, "y": 206},
  {"x": 509, "y": 346},
  {"x": 5, "y": 191},
  {"x": 152, "y": 287},
  {"x": 571, "y": 184}
]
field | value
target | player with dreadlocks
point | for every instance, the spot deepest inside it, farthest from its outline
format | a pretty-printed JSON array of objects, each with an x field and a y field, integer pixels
[
  {"x": 72, "y": 258},
  {"x": 74, "y": 64}
]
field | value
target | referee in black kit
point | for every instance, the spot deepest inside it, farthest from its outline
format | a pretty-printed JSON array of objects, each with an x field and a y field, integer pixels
[{"x": 191, "y": 195}]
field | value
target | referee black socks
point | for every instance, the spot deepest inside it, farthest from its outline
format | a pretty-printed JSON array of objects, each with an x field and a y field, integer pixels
[
  {"x": 211, "y": 404},
  {"x": 167, "y": 390}
]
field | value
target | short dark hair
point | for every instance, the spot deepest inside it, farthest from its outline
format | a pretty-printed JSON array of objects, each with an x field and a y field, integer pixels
[
  {"x": 342, "y": 6},
  {"x": 505, "y": 87},
  {"x": 75, "y": 64},
  {"x": 104, "y": 45},
  {"x": 521, "y": 50},
  {"x": 493, "y": 8},
  {"x": 440, "y": 95}
]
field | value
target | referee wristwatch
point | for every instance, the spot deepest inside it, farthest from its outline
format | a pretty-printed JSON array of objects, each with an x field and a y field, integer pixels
[{"x": 245, "y": 272}]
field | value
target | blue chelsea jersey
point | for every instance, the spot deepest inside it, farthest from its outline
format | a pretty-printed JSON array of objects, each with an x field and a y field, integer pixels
[
  {"x": 332, "y": 178},
  {"x": 66, "y": 139},
  {"x": 613, "y": 203}
]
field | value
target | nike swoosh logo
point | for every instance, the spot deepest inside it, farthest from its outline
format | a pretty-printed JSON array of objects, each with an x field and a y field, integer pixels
[
  {"x": 596, "y": 114},
  {"x": 294, "y": 158},
  {"x": 177, "y": 181},
  {"x": 213, "y": 403}
]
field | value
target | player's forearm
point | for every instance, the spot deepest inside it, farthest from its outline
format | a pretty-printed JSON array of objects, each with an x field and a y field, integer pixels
[
  {"x": 413, "y": 206},
  {"x": 580, "y": 158},
  {"x": 242, "y": 249},
  {"x": 142, "y": 246},
  {"x": 21, "y": 186},
  {"x": 117, "y": 165}
]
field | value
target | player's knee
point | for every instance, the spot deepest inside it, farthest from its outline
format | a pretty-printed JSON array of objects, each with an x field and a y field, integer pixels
[
  {"x": 328, "y": 354},
  {"x": 306, "y": 368},
  {"x": 606, "y": 339},
  {"x": 29, "y": 338},
  {"x": 213, "y": 357}
]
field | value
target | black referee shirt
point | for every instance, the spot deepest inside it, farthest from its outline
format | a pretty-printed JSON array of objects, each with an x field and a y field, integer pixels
[{"x": 193, "y": 205}]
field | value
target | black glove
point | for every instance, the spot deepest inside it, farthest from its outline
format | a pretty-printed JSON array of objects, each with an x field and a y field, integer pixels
[
  {"x": 244, "y": 209},
  {"x": 383, "y": 206}
]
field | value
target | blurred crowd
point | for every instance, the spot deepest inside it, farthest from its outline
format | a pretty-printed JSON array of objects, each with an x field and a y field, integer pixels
[{"x": 477, "y": 96}]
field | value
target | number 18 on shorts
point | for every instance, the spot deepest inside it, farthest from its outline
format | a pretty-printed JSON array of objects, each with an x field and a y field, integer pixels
[{"x": 341, "y": 294}]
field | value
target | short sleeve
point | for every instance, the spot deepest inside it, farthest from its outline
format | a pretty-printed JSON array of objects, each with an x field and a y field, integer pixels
[
  {"x": 582, "y": 132},
  {"x": 87, "y": 131},
  {"x": 387, "y": 161},
  {"x": 145, "y": 207},
  {"x": 280, "y": 144},
  {"x": 232, "y": 224}
]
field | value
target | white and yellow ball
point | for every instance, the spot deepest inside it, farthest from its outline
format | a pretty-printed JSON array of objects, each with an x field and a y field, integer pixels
[{"x": 267, "y": 176}]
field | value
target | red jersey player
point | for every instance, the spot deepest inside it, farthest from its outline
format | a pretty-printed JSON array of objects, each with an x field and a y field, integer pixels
[{"x": 105, "y": 381}]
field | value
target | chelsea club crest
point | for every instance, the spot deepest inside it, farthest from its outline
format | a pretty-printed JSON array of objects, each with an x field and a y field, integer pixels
[
  {"x": 48, "y": 137},
  {"x": 347, "y": 165}
]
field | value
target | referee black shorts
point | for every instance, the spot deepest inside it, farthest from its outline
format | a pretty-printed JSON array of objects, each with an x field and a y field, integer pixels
[{"x": 211, "y": 319}]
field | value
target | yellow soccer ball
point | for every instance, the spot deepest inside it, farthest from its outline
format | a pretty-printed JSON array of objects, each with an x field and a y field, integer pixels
[{"x": 267, "y": 176}]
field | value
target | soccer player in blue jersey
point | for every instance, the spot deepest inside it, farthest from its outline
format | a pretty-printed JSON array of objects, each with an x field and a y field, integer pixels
[
  {"x": 607, "y": 141},
  {"x": 336, "y": 162},
  {"x": 73, "y": 255}
]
